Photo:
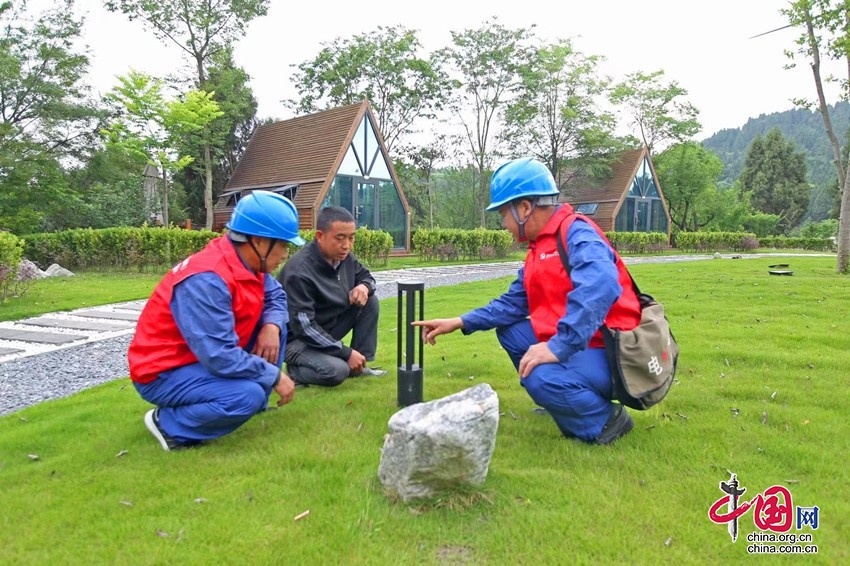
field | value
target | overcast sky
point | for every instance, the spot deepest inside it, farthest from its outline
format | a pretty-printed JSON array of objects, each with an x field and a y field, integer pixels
[{"x": 705, "y": 46}]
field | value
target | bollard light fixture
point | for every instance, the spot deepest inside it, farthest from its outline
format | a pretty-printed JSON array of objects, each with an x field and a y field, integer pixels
[{"x": 410, "y": 343}]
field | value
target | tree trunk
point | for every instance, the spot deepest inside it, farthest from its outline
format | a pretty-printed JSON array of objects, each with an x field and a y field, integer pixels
[
  {"x": 430, "y": 206},
  {"x": 164, "y": 198},
  {"x": 822, "y": 105},
  {"x": 482, "y": 195},
  {"x": 843, "y": 238},
  {"x": 208, "y": 167},
  {"x": 208, "y": 181}
]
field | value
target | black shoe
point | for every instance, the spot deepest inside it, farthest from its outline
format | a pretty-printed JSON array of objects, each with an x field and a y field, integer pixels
[
  {"x": 619, "y": 424},
  {"x": 165, "y": 440}
]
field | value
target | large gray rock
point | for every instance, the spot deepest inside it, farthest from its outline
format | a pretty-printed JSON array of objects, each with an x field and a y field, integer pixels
[
  {"x": 436, "y": 446},
  {"x": 56, "y": 270},
  {"x": 28, "y": 271}
]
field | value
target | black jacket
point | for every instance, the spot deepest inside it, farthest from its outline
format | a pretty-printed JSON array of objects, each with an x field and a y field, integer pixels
[{"x": 317, "y": 294}]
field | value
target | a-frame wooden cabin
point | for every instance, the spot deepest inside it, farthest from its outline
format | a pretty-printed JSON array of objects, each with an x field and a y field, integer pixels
[
  {"x": 336, "y": 157},
  {"x": 629, "y": 200}
]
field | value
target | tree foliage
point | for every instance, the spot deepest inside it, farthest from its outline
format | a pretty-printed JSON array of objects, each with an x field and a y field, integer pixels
[
  {"x": 489, "y": 61},
  {"x": 110, "y": 189},
  {"x": 152, "y": 128},
  {"x": 657, "y": 110},
  {"x": 201, "y": 28},
  {"x": 45, "y": 114},
  {"x": 803, "y": 126},
  {"x": 228, "y": 135},
  {"x": 383, "y": 66},
  {"x": 775, "y": 175},
  {"x": 416, "y": 168},
  {"x": 688, "y": 175},
  {"x": 556, "y": 116}
]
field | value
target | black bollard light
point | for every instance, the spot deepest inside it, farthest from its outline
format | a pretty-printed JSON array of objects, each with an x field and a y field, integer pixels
[{"x": 409, "y": 373}]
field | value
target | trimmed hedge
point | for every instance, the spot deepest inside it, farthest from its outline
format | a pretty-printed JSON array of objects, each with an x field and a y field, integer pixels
[
  {"x": 454, "y": 244},
  {"x": 715, "y": 241},
  {"x": 638, "y": 242},
  {"x": 785, "y": 243},
  {"x": 154, "y": 248},
  {"x": 158, "y": 248},
  {"x": 116, "y": 248},
  {"x": 372, "y": 247}
]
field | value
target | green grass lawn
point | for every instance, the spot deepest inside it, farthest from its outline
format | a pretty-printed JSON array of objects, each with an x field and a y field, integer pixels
[
  {"x": 85, "y": 289},
  {"x": 762, "y": 391}
]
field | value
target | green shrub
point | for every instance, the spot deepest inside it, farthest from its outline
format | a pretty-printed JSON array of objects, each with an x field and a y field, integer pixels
[
  {"x": 638, "y": 242},
  {"x": 449, "y": 244},
  {"x": 11, "y": 252},
  {"x": 713, "y": 241},
  {"x": 785, "y": 243}
]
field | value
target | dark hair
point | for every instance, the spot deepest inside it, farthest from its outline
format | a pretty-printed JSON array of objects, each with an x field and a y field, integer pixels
[{"x": 329, "y": 215}]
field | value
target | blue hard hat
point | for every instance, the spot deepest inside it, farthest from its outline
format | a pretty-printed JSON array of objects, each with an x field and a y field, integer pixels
[
  {"x": 266, "y": 214},
  {"x": 520, "y": 178}
]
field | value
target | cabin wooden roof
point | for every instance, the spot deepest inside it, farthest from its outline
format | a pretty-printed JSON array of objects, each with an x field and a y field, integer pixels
[
  {"x": 304, "y": 151},
  {"x": 609, "y": 192}
]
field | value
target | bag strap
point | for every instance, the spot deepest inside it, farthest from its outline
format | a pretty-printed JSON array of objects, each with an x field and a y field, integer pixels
[{"x": 562, "y": 251}]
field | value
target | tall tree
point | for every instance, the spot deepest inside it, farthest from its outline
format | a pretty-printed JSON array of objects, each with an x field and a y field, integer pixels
[
  {"x": 46, "y": 115},
  {"x": 489, "y": 61},
  {"x": 728, "y": 210},
  {"x": 775, "y": 174},
  {"x": 416, "y": 170},
  {"x": 229, "y": 134},
  {"x": 825, "y": 28},
  {"x": 688, "y": 176},
  {"x": 657, "y": 110},
  {"x": 456, "y": 202},
  {"x": 110, "y": 185},
  {"x": 200, "y": 28},
  {"x": 556, "y": 117},
  {"x": 383, "y": 66},
  {"x": 150, "y": 127}
]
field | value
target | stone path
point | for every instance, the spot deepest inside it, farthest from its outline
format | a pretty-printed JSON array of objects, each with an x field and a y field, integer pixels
[
  {"x": 55, "y": 331},
  {"x": 47, "y": 333}
]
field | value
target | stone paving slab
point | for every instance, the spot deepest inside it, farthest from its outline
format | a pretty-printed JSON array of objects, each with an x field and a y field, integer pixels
[
  {"x": 39, "y": 337},
  {"x": 7, "y": 351},
  {"x": 112, "y": 315},
  {"x": 133, "y": 305},
  {"x": 93, "y": 325}
]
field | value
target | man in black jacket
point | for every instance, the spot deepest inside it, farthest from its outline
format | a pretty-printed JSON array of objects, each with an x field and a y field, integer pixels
[{"x": 330, "y": 293}]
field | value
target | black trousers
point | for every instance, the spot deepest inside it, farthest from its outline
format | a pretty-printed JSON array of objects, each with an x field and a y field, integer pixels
[{"x": 310, "y": 366}]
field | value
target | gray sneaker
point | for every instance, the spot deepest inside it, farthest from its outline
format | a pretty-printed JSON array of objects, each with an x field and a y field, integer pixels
[{"x": 374, "y": 372}]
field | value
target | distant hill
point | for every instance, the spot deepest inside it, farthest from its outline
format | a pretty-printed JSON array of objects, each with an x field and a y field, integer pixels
[{"x": 804, "y": 127}]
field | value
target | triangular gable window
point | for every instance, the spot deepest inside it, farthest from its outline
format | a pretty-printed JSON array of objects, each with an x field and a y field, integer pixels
[
  {"x": 364, "y": 157},
  {"x": 643, "y": 184}
]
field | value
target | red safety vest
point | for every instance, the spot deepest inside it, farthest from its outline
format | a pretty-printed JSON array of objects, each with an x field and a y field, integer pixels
[
  {"x": 547, "y": 283},
  {"x": 158, "y": 344}
]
